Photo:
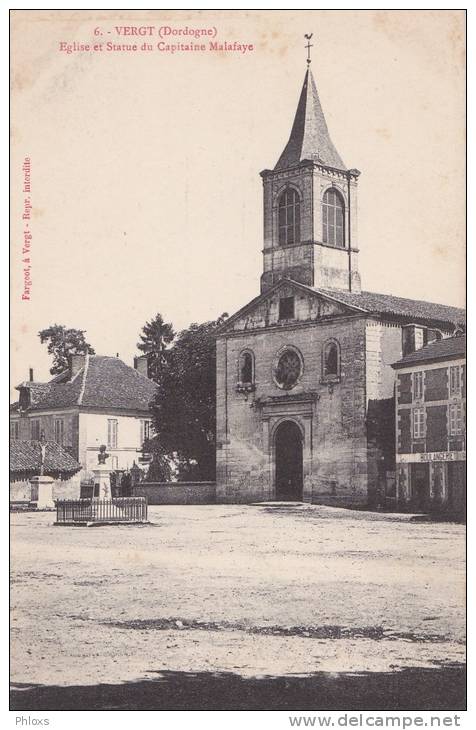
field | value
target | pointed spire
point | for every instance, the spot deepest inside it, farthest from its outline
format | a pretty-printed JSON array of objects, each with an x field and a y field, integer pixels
[{"x": 310, "y": 138}]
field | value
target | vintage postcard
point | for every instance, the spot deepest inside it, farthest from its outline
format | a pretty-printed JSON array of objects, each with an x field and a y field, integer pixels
[{"x": 238, "y": 359}]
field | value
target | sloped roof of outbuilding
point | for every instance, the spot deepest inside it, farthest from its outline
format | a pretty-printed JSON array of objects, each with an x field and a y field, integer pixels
[
  {"x": 450, "y": 348},
  {"x": 25, "y": 456}
]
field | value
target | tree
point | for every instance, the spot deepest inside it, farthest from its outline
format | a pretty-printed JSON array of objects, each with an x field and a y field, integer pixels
[
  {"x": 155, "y": 337},
  {"x": 160, "y": 468},
  {"x": 63, "y": 342},
  {"x": 183, "y": 409}
]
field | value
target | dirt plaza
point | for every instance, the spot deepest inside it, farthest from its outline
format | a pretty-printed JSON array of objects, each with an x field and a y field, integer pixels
[{"x": 238, "y": 607}]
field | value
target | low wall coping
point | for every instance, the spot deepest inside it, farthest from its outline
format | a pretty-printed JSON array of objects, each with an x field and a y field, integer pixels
[{"x": 175, "y": 484}]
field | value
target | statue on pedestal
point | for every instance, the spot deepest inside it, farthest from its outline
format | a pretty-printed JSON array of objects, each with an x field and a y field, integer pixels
[{"x": 102, "y": 456}]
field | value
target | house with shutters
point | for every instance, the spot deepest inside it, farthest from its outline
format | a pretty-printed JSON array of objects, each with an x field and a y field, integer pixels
[
  {"x": 430, "y": 400},
  {"x": 97, "y": 400},
  {"x": 305, "y": 385}
]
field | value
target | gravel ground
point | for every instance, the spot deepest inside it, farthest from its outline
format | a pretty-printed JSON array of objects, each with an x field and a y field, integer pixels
[{"x": 257, "y": 591}]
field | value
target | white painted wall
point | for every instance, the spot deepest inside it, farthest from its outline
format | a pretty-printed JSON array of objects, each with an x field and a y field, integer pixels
[{"x": 93, "y": 432}]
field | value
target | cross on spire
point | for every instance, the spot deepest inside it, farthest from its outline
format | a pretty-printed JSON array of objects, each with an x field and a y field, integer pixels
[{"x": 308, "y": 36}]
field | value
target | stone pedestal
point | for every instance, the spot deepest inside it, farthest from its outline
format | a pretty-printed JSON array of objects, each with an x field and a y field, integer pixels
[
  {"x": 102, "y": 476},
  {"x": 44, "y": 485}
]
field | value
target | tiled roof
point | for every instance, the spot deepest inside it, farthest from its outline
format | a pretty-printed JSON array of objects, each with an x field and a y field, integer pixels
[
  {"x": 103, "y": 382},
  {"x": 310, "y": 138},
  {"x": 407, "y": 311},
  {"x": 25, "y": 456},
  {"x": 449, "y": 348},
  {"x": 412, "y": 309},
  {"x": 110, "y": 383}
]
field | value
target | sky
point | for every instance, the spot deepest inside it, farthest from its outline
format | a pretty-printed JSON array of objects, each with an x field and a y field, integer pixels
[{"x": 145, "y": 186}]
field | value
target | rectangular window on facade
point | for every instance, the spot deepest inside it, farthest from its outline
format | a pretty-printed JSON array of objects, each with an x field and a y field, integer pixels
[
  {"x": 14, "y": 430},
  {"x": 144, "y": 430},
  {"x": 418, "y": 423},
  {"x": 456, "y": 419},
  {"x": 418, "y": 386},
  {"x": 59, "y": 431},
  {"x": 35, "y": 430},
  {"x": 112, "y": 433},
  {"x": 286, "y": 308},
  {"x": 455, "y": 380}
]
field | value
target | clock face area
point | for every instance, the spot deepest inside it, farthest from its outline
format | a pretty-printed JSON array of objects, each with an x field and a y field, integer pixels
[{"x": 288, "y": 369}]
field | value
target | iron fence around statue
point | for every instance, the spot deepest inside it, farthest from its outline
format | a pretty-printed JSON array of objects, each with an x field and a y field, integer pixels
[{"x": 120, "y": 510}]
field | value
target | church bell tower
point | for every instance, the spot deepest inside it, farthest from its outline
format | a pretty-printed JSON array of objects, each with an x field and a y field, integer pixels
[{"x": 310, "y": 206}]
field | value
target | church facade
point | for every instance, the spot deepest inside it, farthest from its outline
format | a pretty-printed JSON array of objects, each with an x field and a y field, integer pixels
[{"x": 305, "y": 387}]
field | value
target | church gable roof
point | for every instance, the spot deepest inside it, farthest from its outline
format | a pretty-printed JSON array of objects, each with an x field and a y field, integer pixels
[
  {"x": 263, "y": 311},
  {"x": 310, "y": 139},
  {"x": 316, "y": 304}
]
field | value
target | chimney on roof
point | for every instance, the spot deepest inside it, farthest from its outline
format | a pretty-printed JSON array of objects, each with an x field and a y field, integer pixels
[
  {"x": 415, "y": 336},
  {"x": 141, "y": 364},
  {"x": 31, "y": 375},
  {"x": 76, "y": 362},
  {"x": 412, "y": 338}
]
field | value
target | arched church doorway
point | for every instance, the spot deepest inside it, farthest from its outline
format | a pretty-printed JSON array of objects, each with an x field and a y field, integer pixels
[{"x": 288, "y": 460}]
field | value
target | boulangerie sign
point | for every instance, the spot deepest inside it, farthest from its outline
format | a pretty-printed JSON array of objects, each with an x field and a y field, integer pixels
[{"x": 227, "y": 227}]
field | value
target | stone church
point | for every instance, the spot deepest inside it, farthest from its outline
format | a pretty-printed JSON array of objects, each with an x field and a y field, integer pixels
[{"x": 305, "y": 387}]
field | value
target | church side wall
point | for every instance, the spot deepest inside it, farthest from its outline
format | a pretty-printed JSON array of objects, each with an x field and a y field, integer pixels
[
  {"x": 383, "y": 346},
  {"x": 332, "y": 420}
]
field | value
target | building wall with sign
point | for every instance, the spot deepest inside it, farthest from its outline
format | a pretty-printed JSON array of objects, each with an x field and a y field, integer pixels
[{"x": 431, "y": 430}]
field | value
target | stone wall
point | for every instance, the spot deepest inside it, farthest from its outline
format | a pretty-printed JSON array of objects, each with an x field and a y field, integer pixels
[
  {"x": 383, "y": 346},
  {"x": 331, "y": 416},
  {"x": 176, "y": 492},
  {"x": 20, "y": 491},
  {"x": 310, "y": 260},
  {"x": 67, "y": 488}
]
